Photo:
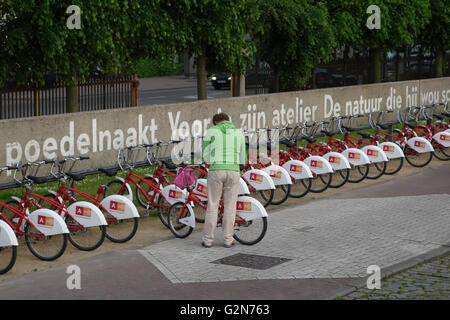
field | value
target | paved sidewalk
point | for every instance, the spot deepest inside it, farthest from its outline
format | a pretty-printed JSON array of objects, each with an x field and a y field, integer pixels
[{"x": 323, "y": 239}]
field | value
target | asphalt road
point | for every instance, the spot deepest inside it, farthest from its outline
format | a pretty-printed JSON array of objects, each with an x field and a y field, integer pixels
[{"x": 177, "y": 95}]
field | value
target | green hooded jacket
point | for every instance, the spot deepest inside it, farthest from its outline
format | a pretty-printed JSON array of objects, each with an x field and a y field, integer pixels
[{"x": 223, "y": 147}]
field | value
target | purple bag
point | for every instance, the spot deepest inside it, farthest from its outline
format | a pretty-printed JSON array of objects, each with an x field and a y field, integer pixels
[{"x": 185, "y": 178}]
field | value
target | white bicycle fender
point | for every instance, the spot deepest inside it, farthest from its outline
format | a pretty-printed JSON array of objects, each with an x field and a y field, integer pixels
[
  {"x": 337, "y": 161},
  {"x": 172, "y": 194},
  {"x": 7, "y": 235},
  {"x": 120, "y": 207},
  {"x": 249, "y": 208},
  {"x": 190, "y": 220},
  {"x": 420, "y": 145},
  {"x": 443, "y": 138},
  {"x": 48, "y": 222},
  {"x": 392, "y": 150},
  {"x": 86, "y": 214},
  {"x": 201, "y": 188},
  {"x": 278, "y": 174},
  {"x": 298, "y": 169},
  {"x": 448, "y": 131},
  {"x": 130, "y": 193},
  {"x": 259, "y": 179},
  {"x": 242, "y": 188},
  {"x": 318, "y": 165},
  {"x": 375, "y": 154},
  {"x": 355, "y": 156}
]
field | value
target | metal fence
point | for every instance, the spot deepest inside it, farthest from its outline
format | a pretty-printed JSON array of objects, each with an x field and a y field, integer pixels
[{"x": 98, "y": 93}]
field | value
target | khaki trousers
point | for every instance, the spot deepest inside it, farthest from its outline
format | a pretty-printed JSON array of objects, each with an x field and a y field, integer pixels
[{"x": 221, "y": 182}]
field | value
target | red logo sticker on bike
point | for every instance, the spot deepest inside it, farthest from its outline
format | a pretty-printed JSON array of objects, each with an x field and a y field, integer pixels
[
  {"x": 45, "y": 221},
  {"x": 118, "y": 206},
  {"x": 294, "y": 168},
  {"x": 316, "y": 164},
  {"x": 174, "y": 194},
  {"x": 334, "y": 160},
  {"x": 256, "y": 177},
  {"x": 275, "y": 174},
  {"x": 82, "y": 211},
  {"x": 202, "y": 189},
  {"x": 388, "y": 148},
  {"x": 444, "y": 137},
  {"x": 372, "y": 153},
  {"x": 355, "y": 156},
  {"x": 243, "y": 206},
  {"x": 419, "y": 144}
]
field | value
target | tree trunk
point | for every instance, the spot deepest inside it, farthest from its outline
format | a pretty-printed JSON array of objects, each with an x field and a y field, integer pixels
[
  {"x": 72, "y": 99},
  {"x": 201, "y": 76},
  {"x": 439, "y": 64},
  {"x": 276, "y": 81},
  {"x": 375, "y": 64},
  {"x": 242, "y": 85}
]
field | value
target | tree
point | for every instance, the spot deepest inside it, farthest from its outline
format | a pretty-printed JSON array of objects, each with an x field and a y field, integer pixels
[
  {"x": 436, "y": 35},
  {"x": 213, "y": 31},
  {"x": 400, "y": 23},
  {"x": 36, "y": 39},
  {"x": 296, "y": 35}
]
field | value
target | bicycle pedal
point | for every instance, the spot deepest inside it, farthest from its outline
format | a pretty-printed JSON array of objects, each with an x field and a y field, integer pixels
[{"x": 145, "y": 214}]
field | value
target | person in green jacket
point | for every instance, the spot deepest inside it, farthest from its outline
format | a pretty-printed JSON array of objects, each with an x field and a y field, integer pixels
[{"x": 224, "y": 150}]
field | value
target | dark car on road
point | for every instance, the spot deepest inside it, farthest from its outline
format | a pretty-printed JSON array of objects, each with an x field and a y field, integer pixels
[{"x": 221, "y": 81}]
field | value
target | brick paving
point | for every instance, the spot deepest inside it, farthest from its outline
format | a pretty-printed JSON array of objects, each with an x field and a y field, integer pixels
[
  {"x": 329, "y": 238},
  {"x": 426, "y": 281}
]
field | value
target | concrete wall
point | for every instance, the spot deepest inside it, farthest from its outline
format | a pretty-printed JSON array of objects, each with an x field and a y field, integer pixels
[{"x": 99, "y": 134}]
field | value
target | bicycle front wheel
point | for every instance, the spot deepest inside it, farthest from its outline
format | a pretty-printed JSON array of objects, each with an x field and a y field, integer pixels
[
  {"x": 46, "y": 248},
  {"x": 8, "y": 257},
  {"x": 340, "y": 177},
  {"x": 321, "y": 182},
  {"x": 416, "y": 159},
  {"x": 177, "y": 212},
  {"x": 300, "y": 187},
  {"x": 358, "y": 173},
  {"x": 120, "y": 231},
  {"x": 249, "y": 232}
]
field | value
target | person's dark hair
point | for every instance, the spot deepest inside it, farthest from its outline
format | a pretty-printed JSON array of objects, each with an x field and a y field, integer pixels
[{"x": 220, "y": 117}]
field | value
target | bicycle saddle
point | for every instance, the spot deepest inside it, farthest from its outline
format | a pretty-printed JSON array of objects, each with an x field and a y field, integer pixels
[
  {"x": 76, "y": 176},
  {"x": 446, "y": 113},
  {"x": 326, "y": 132},
  {"x": 169, "y": 165},
  {"x": 39, "y": 180},
  {"x": 110, "y": 172},
  {"x": 310, "y": 139},
  {"x": 383, "y": 126},
  {"x": 365, "y": 135},
  {"x": 287, "y": 142},
  {"x": 412, "y": 126},
  {"x": 439, "y": 116}
]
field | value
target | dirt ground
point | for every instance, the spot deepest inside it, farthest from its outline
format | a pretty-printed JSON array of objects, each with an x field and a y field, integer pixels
[{"x": 151, "y": 229}]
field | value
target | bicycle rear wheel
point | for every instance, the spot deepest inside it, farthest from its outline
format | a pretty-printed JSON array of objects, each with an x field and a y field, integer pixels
[
  {"x": 300, "y": 187},
  {"x": 8, "y": 257},
  {"x": 340, "y": 177},
  {"x": 85, "y": 239},
  {"x": 321, "y": 182},
  {"x": 416, "y": 159},
  {"x": 358, "y": 173},
  {"x": 264, "y": 196},
  {"x": 249, "y": 232},
  {"x": 393, "y": 166},
  {"x": 376, "y": 170},
  {"x": 176, "y": 212},
  {"x": 47, "y": 248},
  {"x": 281, "y": 193}
]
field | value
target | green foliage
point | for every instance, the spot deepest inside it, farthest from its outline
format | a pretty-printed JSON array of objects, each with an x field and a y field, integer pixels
[
  {"x": 296, "y": 35},
  {"x": 35, "y": 38},
  {"x": 436, "y": 34},
  {"x": 401, "y": 22},
  {"x": 150, "y": 67}
]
